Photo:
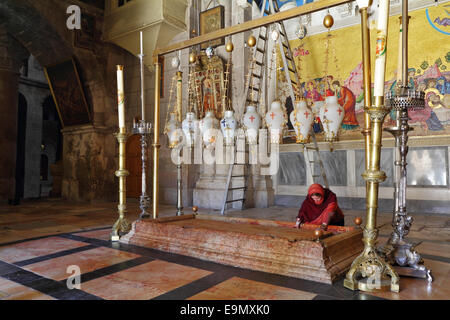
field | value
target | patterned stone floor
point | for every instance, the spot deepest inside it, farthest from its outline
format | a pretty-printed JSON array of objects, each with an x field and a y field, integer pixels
[{"x": 41, "y": 242}]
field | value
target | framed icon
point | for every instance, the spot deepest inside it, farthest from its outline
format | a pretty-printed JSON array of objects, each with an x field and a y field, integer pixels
[{"x": 212, "y": 20}]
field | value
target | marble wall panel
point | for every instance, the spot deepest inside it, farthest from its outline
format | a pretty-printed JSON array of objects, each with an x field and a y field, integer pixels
[
  {"x": 292, "y": 169},
  {"x": 427, "y": 167},
  {"x": 335, "y": 164},
  {"x": 386, "y": 165}
]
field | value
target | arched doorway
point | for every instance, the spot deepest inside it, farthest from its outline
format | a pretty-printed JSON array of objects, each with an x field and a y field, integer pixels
[{"x": 20, "y": 153}]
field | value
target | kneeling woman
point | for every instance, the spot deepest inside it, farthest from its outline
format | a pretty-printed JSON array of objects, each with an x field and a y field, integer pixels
[{"x": 320, "y": 207}]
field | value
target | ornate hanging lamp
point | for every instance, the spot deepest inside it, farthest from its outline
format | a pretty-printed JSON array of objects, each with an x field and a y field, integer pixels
[
  {"x": 228, "y": 123},
  {"x": 190, "y": 123},
  {"x": 331, "y": 113},
  {"x": 251, "y": 120},
  {"x": 172, "y": 128},
  {"x": 275, "y": 118}
]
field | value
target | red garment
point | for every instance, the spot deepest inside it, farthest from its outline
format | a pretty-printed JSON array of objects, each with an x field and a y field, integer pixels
[
  {"x": 347, "y": 100},
  {"x": 313, "y": 213}
]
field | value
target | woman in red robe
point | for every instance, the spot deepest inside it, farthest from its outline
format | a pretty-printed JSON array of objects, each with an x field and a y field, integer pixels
[
  {"x": 320, "y": 207},
  {"x": 347, "y": 100}
]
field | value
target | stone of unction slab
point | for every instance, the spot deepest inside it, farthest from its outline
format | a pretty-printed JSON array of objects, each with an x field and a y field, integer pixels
[{"x": 263, "y": 245}]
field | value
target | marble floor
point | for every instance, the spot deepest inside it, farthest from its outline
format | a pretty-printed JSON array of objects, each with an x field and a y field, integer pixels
[{"x": 43, "y": 243}]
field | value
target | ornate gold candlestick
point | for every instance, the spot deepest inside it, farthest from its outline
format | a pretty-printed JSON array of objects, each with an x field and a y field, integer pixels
[
  {"x": 122, "y": 226},
  {"x": 369, "y": 271}
]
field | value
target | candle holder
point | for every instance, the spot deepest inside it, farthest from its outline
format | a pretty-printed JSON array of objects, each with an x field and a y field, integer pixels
[
  {"x": 399, "y": 252},
  {"x": 122, "y": 226},
  {"x": 144, "y": 129}
]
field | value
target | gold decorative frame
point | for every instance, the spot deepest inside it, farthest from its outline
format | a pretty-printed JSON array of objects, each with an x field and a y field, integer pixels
[
  {"x": 68, "y": 93},
  {"x": 212, "y": 20}
]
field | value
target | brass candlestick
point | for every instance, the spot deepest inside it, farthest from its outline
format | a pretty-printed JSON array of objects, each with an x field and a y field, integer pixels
[
  {"x": 122, "y": 226},
  {"x": 369, "y": 272}
]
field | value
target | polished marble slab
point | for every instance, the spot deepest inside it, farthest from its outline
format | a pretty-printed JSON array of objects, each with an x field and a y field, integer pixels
[
  {"x": 292, "y": 169},
  {"x": 427, "y": 166},
  {"x": 10, "y": 290},
  {"x": 143, "y": 282},
  {"x": 243, "y": 289},
  {"x": 37, "y": 248},
  {"x": 87, "y": 261},
  {"x": 335, "y": 165}
]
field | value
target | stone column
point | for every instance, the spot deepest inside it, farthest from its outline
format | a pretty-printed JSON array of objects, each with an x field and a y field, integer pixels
[{"x": 11, "y": 54}]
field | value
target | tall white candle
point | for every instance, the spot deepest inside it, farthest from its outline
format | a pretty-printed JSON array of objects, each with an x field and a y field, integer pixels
[
  {"x": 120, "y": 96},
  {"x": 380, "y": 59}
]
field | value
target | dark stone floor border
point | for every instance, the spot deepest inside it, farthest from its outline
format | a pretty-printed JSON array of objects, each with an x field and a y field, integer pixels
[
  {"x": 46, "y": 286},
  {"x": 53, "y": 255}
]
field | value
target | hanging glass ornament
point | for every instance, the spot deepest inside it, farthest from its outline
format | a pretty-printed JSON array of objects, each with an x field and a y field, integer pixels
[
  {"x": 190, "y": 127},
  {"x": 175, "y": 62},
  {"x": 275, "y": 35},
  {"x": 251, "y": 122},
  {"x": 302, "y": 119},
  {"x": 301, "y": 32},
  {"x": 209, "y": 126},
  {"x": 209, "y": 52},
  {"x": 331, "y": 115},
  {"x": 173, "y": 130},
  {"x": 228, "y": 126},
  {"x": 276, "y": 121}
]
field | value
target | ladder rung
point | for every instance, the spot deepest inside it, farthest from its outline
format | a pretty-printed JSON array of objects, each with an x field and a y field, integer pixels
[
  {"x": 260, "y": 50},
  {"x": 266, "y": 12},
  {"x": 285, "y": 45},
  {"x": 235, "y": 200},
  {"x": 259, "y": 63},
  {"x": 263, "y": 37},
  {"x": 251, "y": 101},
  {"x": 256, "y": 76},
  {"x": 291, "y": 70},
  {"x": 238, "y": 176},
  {"x": 237, "y": 188},
  {"x": 254, "y": 88},
  {"x": 294, "y": 82}
]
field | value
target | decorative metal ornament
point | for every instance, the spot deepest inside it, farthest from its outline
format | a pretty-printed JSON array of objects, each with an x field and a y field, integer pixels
[
  {"x": 251, "y": 41},
  {"x": 229, "y": 47},
  {"x": 302, "y": 119},
  {"x": 192, "y": 57},
  {"x": 331, "y": 115},
  {"x": 275, "y": 35},
  {"x": 175, "y": 62},
  {"x": 275, "y": 120},
  {"x": 301, "y": 32},
  {"x": 209, "y": 52},
  {"x": 328, "y": 21}
]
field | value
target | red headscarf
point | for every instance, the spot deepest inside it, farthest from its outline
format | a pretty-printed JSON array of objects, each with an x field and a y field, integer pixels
[{"x": 310, "y": 210}]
